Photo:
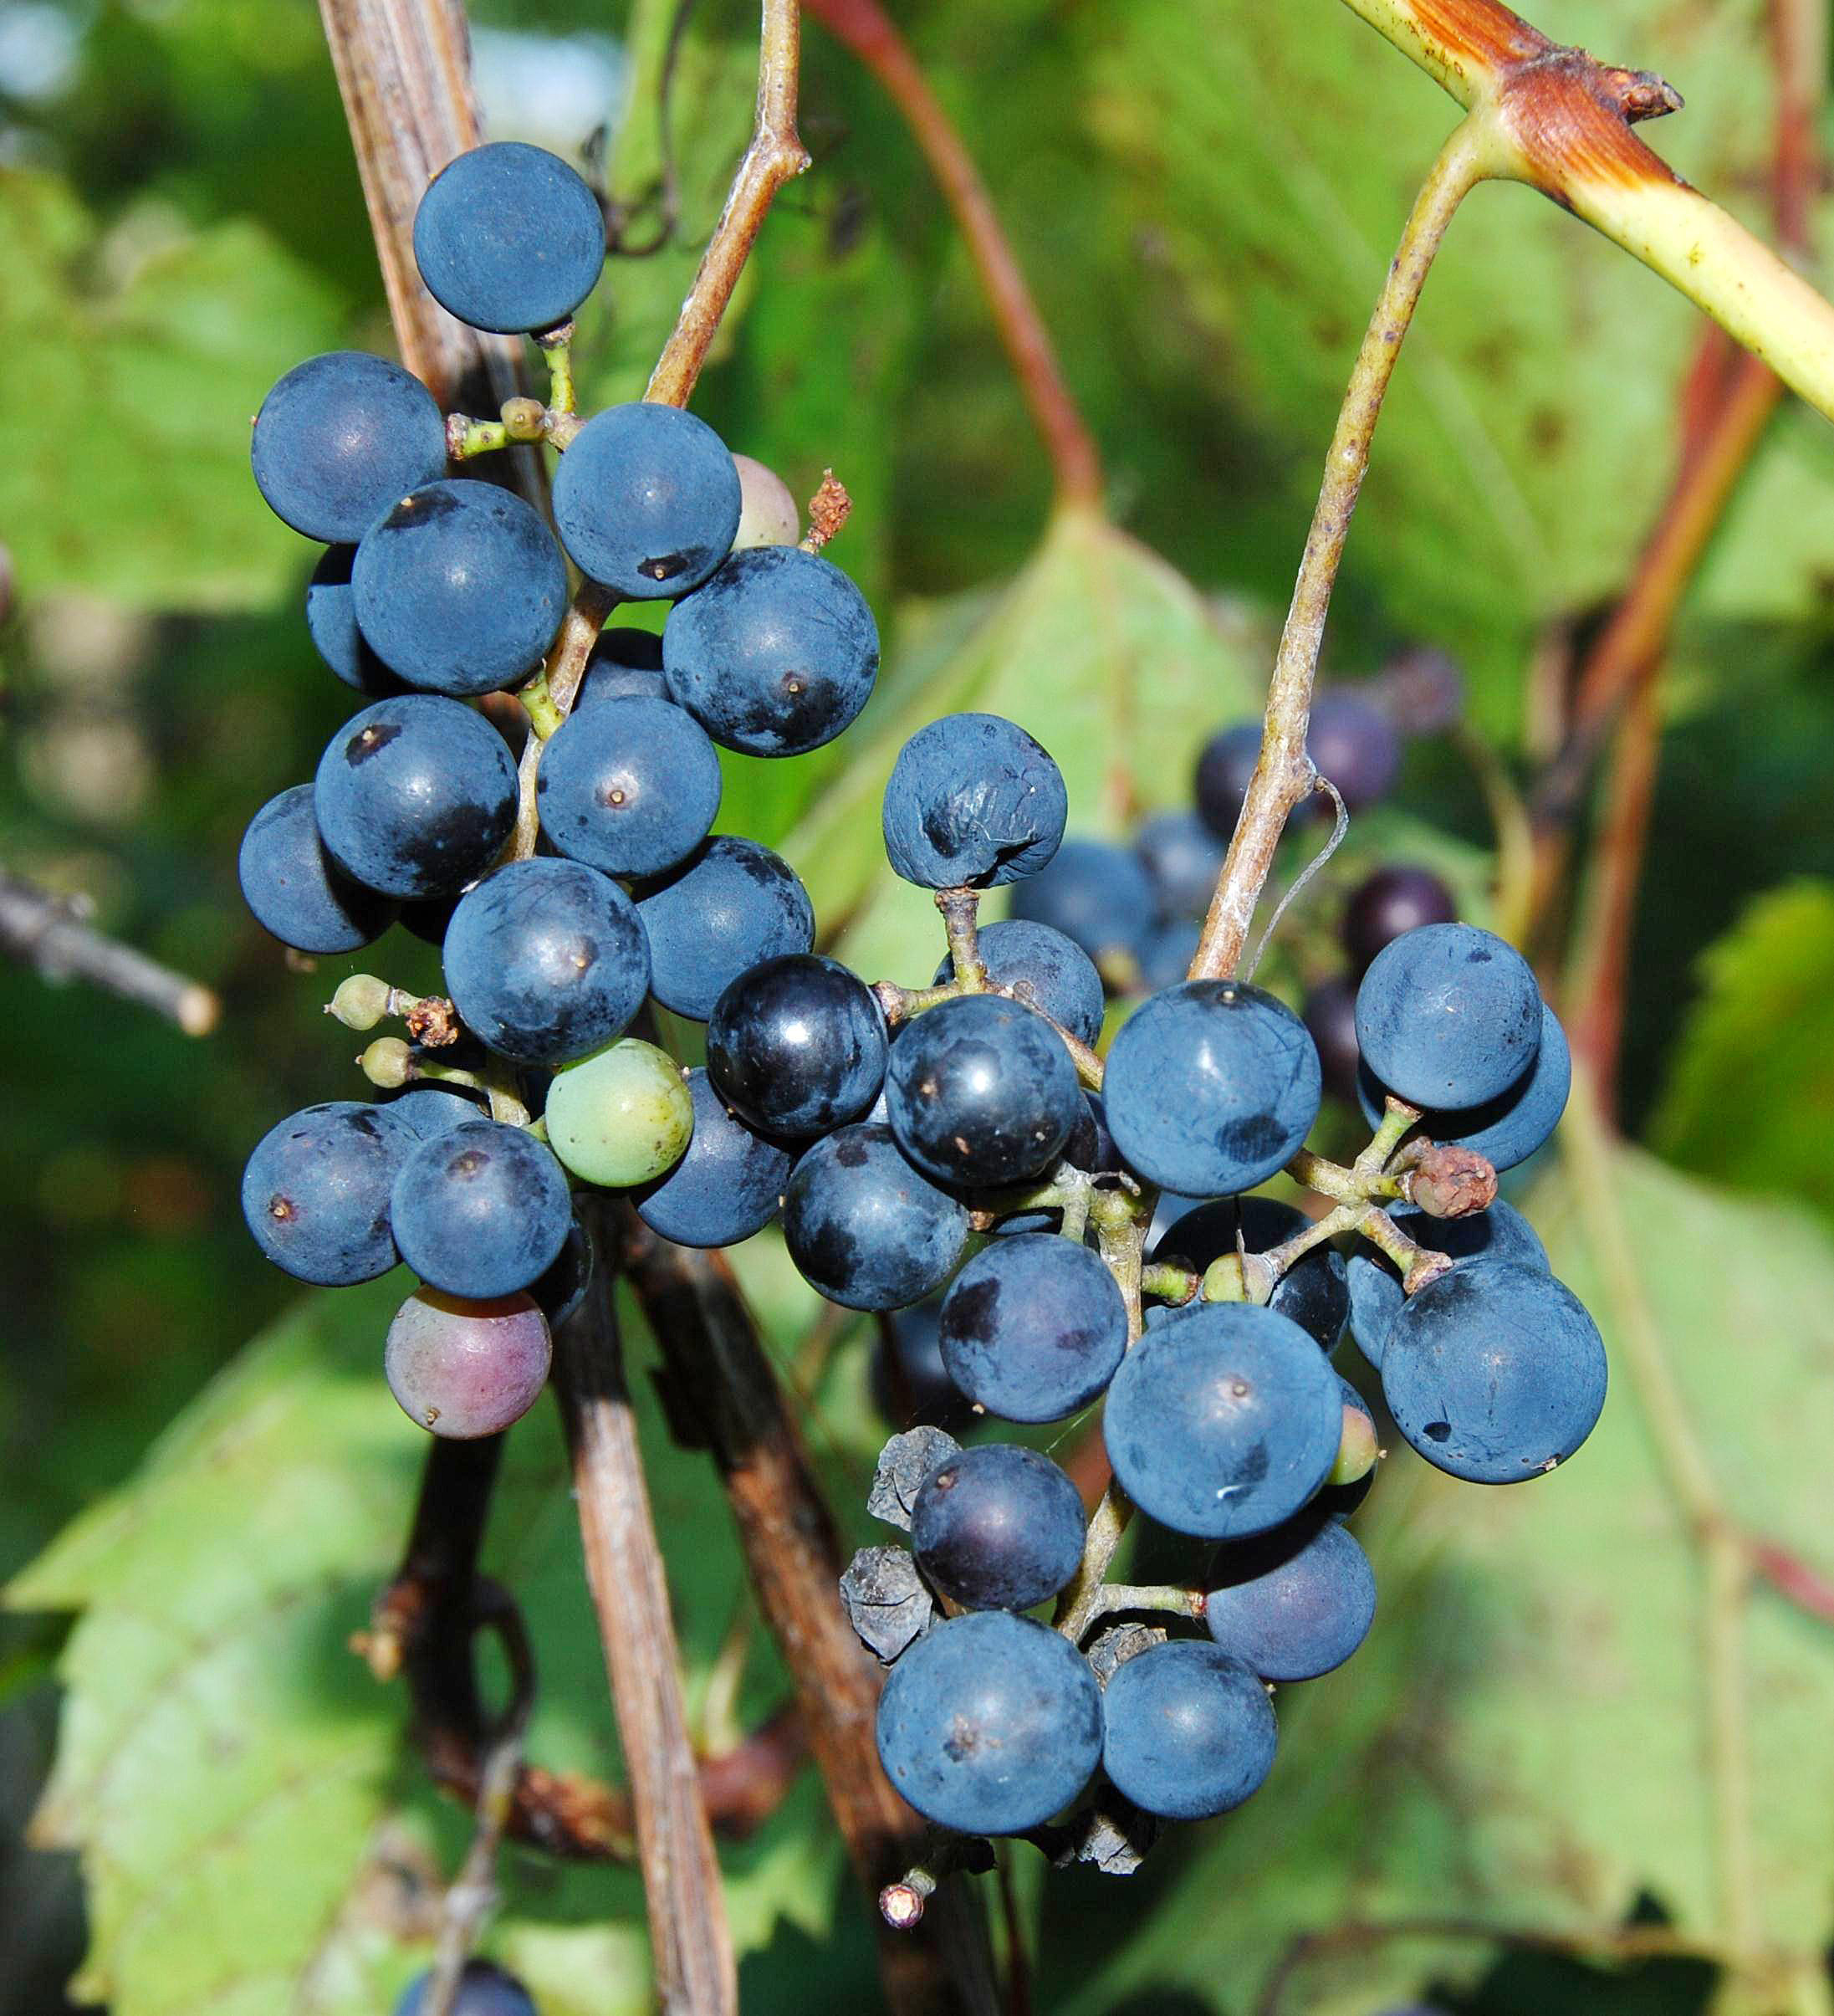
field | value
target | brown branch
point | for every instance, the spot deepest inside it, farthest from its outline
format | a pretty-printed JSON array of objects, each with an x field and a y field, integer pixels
[
  {"x": 50, "y": 934},
  {"x": 404, "y": 72},
  {"x": 776, "y": 155},
  {"x": 691, "y": 1947},
  {"x": 718, "y": 1385},
  {"x": 863, "y": 27}
]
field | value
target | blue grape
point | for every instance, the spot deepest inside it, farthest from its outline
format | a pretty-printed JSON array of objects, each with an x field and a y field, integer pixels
[
  {"x": 1353, "y": 743},
  {"x": 483, "y": 1990},
  {"x": 1188, "y": 1731},
  {"x": 1374, "y": 1281},
  {"x": 982, "y": 1091},
  {"x": 426, "y": 1110},
  {"x": 989, "y": 1723},
  {"x": 560, "y": 1291},
  {"x": 864, "y": 1228},
  {"x": 1329, "y": 1012},
  {"x": 1312, "y": 1291},
  {"x": 1389, "y": 903},
  {"x": 1094, "y": 892},
  {"x": 1166, "y": 954},
  {"x": 911, "y": 1385},
  {"x": 508, "y": 238},
  {"x": 415, "y": 795},
  {"x": 1183, "y": 859},
  {"x": 1034, "y": 1327},
  {"x": 546, "y": 961},
  {"x": 733, "y": 905},
  {"x": 1292, "y": 1604},
  {"x": 629, "y": 786},
  {"x": 330, "y": 610},
  {"x": 797, "y": 1046},
  {"x": 646, "y": 500},
  {"x": 294, "y": 888},
  {"x": 775, "y": 655},
  {"x": 1224, "y": 1421},
  {"x": 1495, "y": 1372},
  {"x": 1045, "y": 969},
  {"x": 460, "y": 588},
  {"x": 625, "y": 665},
  {"x": 316, "y": 1192},
  {"x": 997, "y": 1528},
  {"x": 1449, "y": 1015},
  {"x": 1225, "y": 768},
  {"x": 1210, "y": 1087},
  {"x": 727, "y": 1185},
  {"x": 481, "y": 1211},
  {"x": 1508, "y": 1129},
  {"x": 340, "y": 438},
  {"x": 972, "y": 802}
]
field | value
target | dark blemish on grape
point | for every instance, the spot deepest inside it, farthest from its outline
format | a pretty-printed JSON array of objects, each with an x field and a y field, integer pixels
[
  {"x": 1251, "y": 1139},
  {"x": 369, "y": 741},
  {"x": 851, "y": 1153},
  {"x": 666, "y": 566},
  {"x": 973, "y": 1309},
  {"x": 424, "y": 508},
  {"x": 1439, "y": 1432},
  {"x": 963, "y": 1741}
]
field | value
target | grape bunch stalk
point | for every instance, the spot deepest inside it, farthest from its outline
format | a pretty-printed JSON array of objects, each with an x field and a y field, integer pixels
[{"x": 979, "y": 1138}]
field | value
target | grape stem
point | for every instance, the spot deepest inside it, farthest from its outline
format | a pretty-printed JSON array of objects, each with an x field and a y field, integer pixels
[
  {"x": 776, "y": 155},
  {"x": 1113, "y": 1596},
  {"x": 1283, "y": 776}
]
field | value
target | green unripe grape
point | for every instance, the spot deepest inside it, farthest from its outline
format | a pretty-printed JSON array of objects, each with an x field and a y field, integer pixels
[
  {"x": 1356, "y": 1453},
  {"x": 768, "y": 514},
  {"x": 621, "y": 1115}
]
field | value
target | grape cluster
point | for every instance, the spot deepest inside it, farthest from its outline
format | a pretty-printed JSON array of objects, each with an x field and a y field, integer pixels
[
  {"x": 1224, "y": 1421},
  {"x": 435, "y": 591},
  {"x": 1044, "y": 1228}
]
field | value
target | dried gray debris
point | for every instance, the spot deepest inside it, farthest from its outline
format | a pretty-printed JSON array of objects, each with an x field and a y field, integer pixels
[
  {"x": 905, "y": 1461},
  {"x": 888, "y": 1601}
]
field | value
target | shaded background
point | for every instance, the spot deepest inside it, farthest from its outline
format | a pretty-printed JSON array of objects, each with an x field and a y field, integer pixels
[{"x": 1204, "y": 197}]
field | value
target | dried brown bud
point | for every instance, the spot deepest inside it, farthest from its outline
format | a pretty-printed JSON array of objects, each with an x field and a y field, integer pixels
[
  {"x": 433, "y": 1023},
  {"x": 1449, "y": 1182}
]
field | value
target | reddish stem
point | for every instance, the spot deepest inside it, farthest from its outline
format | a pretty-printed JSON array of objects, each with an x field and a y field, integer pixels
[{"x": 864, "y": 27}]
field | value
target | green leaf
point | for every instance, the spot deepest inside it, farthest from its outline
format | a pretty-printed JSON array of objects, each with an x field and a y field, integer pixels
[
  {"x": 1531, "y": 429},
  {"x": 1098, "y": 648},
  {"x": 119, "y": 479},
  {"x": 1523, "y": 1740},
  {"x": 1751, "y": 1098},
  {"x": 256, "y": 1834}
]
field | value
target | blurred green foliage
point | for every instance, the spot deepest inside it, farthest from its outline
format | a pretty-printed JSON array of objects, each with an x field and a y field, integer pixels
[{"x": 1203, "y": 197}]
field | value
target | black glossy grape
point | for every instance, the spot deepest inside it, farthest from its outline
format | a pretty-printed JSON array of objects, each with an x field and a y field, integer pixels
[
  {"x": 981, "y": 1091},
  {"x": 330, "y": 614},
  {"x": 629, "y": 786},
  {"x": 1295, "y": 1603},
  {"x": 997, "y": 1527},
  {"x": 797, "y": 1046}
]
